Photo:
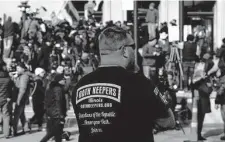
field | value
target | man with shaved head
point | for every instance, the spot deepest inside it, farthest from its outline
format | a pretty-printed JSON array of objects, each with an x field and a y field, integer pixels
[{"x": 112, "y": 104}]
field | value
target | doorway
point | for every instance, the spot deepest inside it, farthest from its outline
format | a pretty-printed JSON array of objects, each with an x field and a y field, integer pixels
[{"x": 201, "y": 26}]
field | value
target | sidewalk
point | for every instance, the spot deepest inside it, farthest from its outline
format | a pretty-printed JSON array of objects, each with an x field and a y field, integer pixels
[
  {"x": 70, "y": 119},
  {"x": 211, "y": 132}
]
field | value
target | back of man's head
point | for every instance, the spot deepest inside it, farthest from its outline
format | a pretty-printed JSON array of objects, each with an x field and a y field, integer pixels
[
  {"x": 190, "y": 38},
  {"x": 223, "y": 40},
  {"x": 112, "y": 39}
]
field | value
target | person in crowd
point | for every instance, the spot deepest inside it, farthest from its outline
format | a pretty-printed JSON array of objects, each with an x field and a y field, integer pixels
[
  {"x": 173, "y": 31},
  {"x": 89, "y": 9},
  {"x": 221, "y": 50},
  {"x": 204, "y": 87},
  {"x": 22, "y": 83},
  {"x": 189, "y": 58},
  {"x": 150, "y": 55},
  {"x": 220, "y": 98},
  {"x": 118, "y": 23},
  {"x": 5, "y": 98},
  {"x": 164, "y": 28},
  {"x": 68, "y": 77},
  {"x": 116, "y": 95},
  {"x": 44, "y": 55},
  {"x": 151, "y": 18},
  {"x": 31, "y": 29},
  {"x": 200, "y": 35},
  {"x": 38, "y": 100},
  {"x": 164, "y": 44},
  {"x": 55, "y": 106},
  {"x": 8, "y": 36}
]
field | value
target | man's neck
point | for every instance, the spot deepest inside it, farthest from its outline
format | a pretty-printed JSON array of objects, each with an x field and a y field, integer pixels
[{"x": 111, "y": 62}]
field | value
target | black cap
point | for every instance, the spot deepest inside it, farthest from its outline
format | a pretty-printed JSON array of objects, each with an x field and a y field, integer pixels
[{"x": 58, "y": 77}]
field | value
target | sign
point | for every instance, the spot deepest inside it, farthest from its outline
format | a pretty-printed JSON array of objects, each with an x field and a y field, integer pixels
[{"x": 97, "y": 104}]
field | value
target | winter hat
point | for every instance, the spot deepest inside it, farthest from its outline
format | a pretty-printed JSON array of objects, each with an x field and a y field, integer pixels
[
  {"x": 58, "y": 77},
  {"x": 60, "y": 69},
  {"x": 38, "y": 71}
]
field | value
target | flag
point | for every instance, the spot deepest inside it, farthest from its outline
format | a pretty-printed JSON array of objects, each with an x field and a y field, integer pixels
[{"x": 72, "y": 11}]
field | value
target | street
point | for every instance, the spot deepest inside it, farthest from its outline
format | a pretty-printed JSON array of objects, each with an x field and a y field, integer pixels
[
  {"x": 212, "y": 129},
  {"x": 37, "y": 136},
  {"x": 211, "y": 132}
]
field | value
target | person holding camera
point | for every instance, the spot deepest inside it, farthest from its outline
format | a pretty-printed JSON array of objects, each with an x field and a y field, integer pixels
[{"x": 150, "y": 55}]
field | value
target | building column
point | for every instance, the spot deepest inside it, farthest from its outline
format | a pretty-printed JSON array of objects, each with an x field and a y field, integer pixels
[
  {"x": 220, "y": 22},
  {"x": 106, "y": 12},
  {"x": 163, "y": 11},
  {"x": 113, "y": 10},
  {"x": 215, "y": 33},
  {"x": 116, "y": 10}
]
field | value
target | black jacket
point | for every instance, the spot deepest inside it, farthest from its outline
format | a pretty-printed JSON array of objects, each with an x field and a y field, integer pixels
[
  {"x": 189, "y": 51},
  {"x": 39, "y": 94},
  {"x": 5, "y": 87},
  {"x": 220, "y": 98},
  {"x": 55, "y": 102},
  {"x": 114, "y": 105}
]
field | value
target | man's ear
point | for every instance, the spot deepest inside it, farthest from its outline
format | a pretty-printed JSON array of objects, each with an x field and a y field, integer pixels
[{"x": 124, "y": 52}]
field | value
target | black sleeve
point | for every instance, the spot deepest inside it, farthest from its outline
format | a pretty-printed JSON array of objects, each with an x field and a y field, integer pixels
[
  {"x": 160, "y": 106},
  {"x": 158, "y": 103},
  {"x": 11, "y": 84},
  {"x": 59, "y": 101},
  {"x": 40, "y": 86}
]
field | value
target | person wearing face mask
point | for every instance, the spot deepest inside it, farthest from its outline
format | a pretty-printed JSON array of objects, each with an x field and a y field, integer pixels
[
  {"x": 112, "y": 98},
  {"x": 38, "y": 100},
  {"x": 55, "y": 106}
]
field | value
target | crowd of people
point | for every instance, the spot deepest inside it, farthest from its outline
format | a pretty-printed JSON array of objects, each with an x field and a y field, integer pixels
[
  {"x": 197, "y": 65},
  {"x": 41, "y": 57},
  {"x": 44, "y": 60}
]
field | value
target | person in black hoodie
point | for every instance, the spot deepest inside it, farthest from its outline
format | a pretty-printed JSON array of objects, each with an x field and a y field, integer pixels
[
  {"x": 5, "y": 98},
  {"x": 55, "y": 105}
]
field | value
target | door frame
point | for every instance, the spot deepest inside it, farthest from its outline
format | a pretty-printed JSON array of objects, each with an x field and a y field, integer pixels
[{"x": 206, "y": 15}]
